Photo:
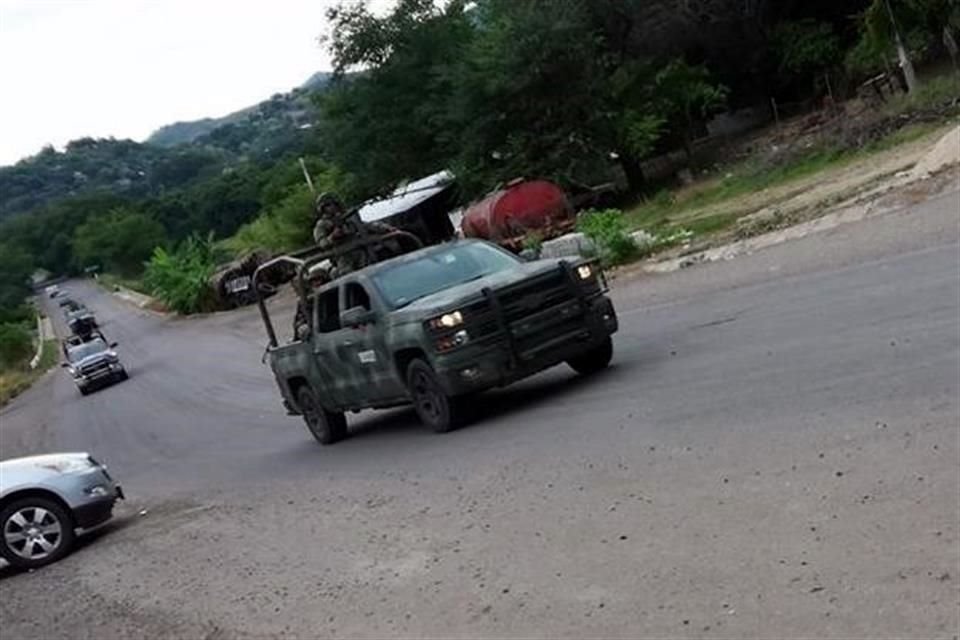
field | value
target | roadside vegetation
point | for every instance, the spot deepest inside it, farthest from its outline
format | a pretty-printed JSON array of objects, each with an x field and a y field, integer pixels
[
  {"x": 17, "y": 379},
  {"x": 180, "y": 278},
  {"x": 112, "y": 281},
  {"x": 17, "y": 348},
  {"x": 579, "y": 92}
]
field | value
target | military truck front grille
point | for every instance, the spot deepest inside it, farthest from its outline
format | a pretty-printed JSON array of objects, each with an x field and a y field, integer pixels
[
  {"x": 481, "y": 320},
  {"x": 532, "y": 296},
  {"x": 96, "y": 367},
  {"x": 521, "y": 302}
]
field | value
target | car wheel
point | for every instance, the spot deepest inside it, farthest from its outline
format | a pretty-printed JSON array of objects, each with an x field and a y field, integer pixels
[
  {"x": 435, "y": 408},
  {"x": 123, "y": 375},
  {"x": 84, "y": 390},
  {"x": 36, "y": 531},
  {"x": 327, "y": 427},
  {"x": 597, "y": 359}
]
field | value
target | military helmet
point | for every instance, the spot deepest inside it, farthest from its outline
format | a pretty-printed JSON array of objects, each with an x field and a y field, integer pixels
[{"x": 328, "y": 199}]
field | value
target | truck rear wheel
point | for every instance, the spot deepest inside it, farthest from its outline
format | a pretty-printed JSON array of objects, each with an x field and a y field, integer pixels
[
  {"x": 597, "y": 359},
  {"x": 435, "y": 408},
  {"x": 327, "y": 427}
]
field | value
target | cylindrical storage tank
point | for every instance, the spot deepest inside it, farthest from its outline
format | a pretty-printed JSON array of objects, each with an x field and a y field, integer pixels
[{"x": 516, "y": 210}]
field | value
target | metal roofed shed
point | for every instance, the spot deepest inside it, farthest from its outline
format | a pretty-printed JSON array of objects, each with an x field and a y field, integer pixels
[{"x": 420, "y": 207}]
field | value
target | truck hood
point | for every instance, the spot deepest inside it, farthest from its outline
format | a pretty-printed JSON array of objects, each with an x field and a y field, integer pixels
[
  {"x": 456, "y": 296},
  {"x": 39, "y": 469},
  {"x": 94, "y": 359}
]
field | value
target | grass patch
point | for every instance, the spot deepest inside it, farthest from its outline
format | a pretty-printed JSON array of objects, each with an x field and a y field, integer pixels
[
  {"x": 746, "y": 177},
  {"x": 934, "y": 91},
  {"x": 668, "y": 212},
  {"x": 707, "y": 225},
  {"x": 112, "y": 280},
  {"x": 15, "y": 381},
  {"x": 905, "y": 135}
]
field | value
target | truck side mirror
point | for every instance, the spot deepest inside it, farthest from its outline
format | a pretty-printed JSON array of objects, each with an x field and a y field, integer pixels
[
  {"x": 357, "y": 316},
  {"x": 113, "y": 345}
]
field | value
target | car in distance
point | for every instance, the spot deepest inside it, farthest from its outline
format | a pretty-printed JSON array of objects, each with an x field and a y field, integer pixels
[
  {"x": 434, "y": 327},
  {"x": 52, "y": 291},
  {"x": 94, "y": 364},
  {"x": 47, "y": 500}
]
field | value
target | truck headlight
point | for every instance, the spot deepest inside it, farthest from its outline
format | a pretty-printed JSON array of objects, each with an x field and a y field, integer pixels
[
  {"x": 585, "y": 271},
  {"x": 97, "y": 491},
  {"x": 447, "y": 320}
]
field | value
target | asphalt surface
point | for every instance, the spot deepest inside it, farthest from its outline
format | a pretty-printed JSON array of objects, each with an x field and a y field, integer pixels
[{"x": 773, "y": 453}]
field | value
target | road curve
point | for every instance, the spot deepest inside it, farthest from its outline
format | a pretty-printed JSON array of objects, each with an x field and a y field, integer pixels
[{"x": 772, "y": 453}]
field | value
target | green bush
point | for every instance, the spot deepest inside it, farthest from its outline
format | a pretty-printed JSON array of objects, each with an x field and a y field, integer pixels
[
  {"x": 16, "y": 345},
  {"x": 286, "y": 226},
  {"x": 607, "y": 230},
  {"x": 181, "y": 278}
]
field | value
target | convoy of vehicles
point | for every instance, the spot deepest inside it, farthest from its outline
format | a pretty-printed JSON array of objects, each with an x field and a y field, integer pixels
[
  {"x": 90, "y": 358},
  {"x": 433, "y": 327},
  {"x": 430, "y": 327},
  {"x": 47, "y": 500}
]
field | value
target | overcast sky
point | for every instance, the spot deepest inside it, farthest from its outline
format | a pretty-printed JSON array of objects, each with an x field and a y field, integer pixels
[{"x": 123, "y": 68}]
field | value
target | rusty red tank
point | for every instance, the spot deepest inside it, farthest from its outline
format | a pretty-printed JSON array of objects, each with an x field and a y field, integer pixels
[{"x": 507, "y": 215}]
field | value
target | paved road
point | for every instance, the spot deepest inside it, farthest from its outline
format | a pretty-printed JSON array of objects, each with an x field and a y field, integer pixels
[{"x": 773, "y": 453}]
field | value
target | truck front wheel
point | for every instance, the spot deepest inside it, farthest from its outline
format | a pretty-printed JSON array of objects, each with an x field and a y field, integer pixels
[
  {"x": 435, "y": 408},
  {"x": 597, "y": 359},
  {"x": 326, "y": 426}
]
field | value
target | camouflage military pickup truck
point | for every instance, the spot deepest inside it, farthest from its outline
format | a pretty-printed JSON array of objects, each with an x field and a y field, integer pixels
[{"x": 433, "y": 327}]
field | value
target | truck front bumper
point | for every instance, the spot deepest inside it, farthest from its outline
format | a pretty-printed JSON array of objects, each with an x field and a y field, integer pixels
[{"x": 476, "y": 367}]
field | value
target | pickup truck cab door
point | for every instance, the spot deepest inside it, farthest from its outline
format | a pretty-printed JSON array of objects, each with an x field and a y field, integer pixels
[
  {"x": 364, "y": 347},
  {"x": 333, "y": 375}
]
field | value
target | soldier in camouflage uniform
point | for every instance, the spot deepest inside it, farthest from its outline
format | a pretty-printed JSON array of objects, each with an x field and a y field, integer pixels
[{"x": 335, "y": 226}]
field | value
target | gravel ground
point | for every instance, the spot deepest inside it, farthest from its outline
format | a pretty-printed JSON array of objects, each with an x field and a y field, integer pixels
[{"x": 773, "y": 453}]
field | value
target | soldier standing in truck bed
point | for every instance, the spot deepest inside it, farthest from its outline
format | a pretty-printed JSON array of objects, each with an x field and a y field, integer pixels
[{"x": 335, "y": 226}]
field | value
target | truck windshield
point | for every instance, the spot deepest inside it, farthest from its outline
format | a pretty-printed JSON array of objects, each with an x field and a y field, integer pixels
[
  {"x": 81, "y": 351},
  {"x": 409, "y": 281}
]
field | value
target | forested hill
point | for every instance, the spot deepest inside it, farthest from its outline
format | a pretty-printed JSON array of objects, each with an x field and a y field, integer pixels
[
  {"x": 292, "y": 103},
  {"x": 174, "y": 157}
]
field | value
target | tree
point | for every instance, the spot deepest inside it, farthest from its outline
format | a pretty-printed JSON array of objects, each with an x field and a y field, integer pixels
[
  {"x": 15, "y": 269},
  {"x": 895, "y": 25},
  {"x": 806, "y": 47},
  {"x": 391, "y": 121},
  {"x": 16, "y": 345},
  {"x": 118, "y": 240},
  {"x": 500, "y": 89}
]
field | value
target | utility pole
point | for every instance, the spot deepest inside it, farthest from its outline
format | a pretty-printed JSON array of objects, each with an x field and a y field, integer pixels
[{"x": 908, "y": 73}]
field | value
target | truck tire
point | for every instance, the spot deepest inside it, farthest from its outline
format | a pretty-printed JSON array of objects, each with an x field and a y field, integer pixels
[
  {"x": 327, "y": 427},
  {"x": 435, "y": 408},
  {"x": 34, "y": 532},
  {"x": 597, "y": 359}
]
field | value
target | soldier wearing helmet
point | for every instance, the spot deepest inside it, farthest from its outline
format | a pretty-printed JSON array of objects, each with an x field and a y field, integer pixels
[{"x": 336, "y": 226}]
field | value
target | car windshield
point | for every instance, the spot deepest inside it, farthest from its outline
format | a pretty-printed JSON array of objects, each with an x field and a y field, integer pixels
[
  {"x": 408, "y": 281},
  {"x": 81, "y": 351}
]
